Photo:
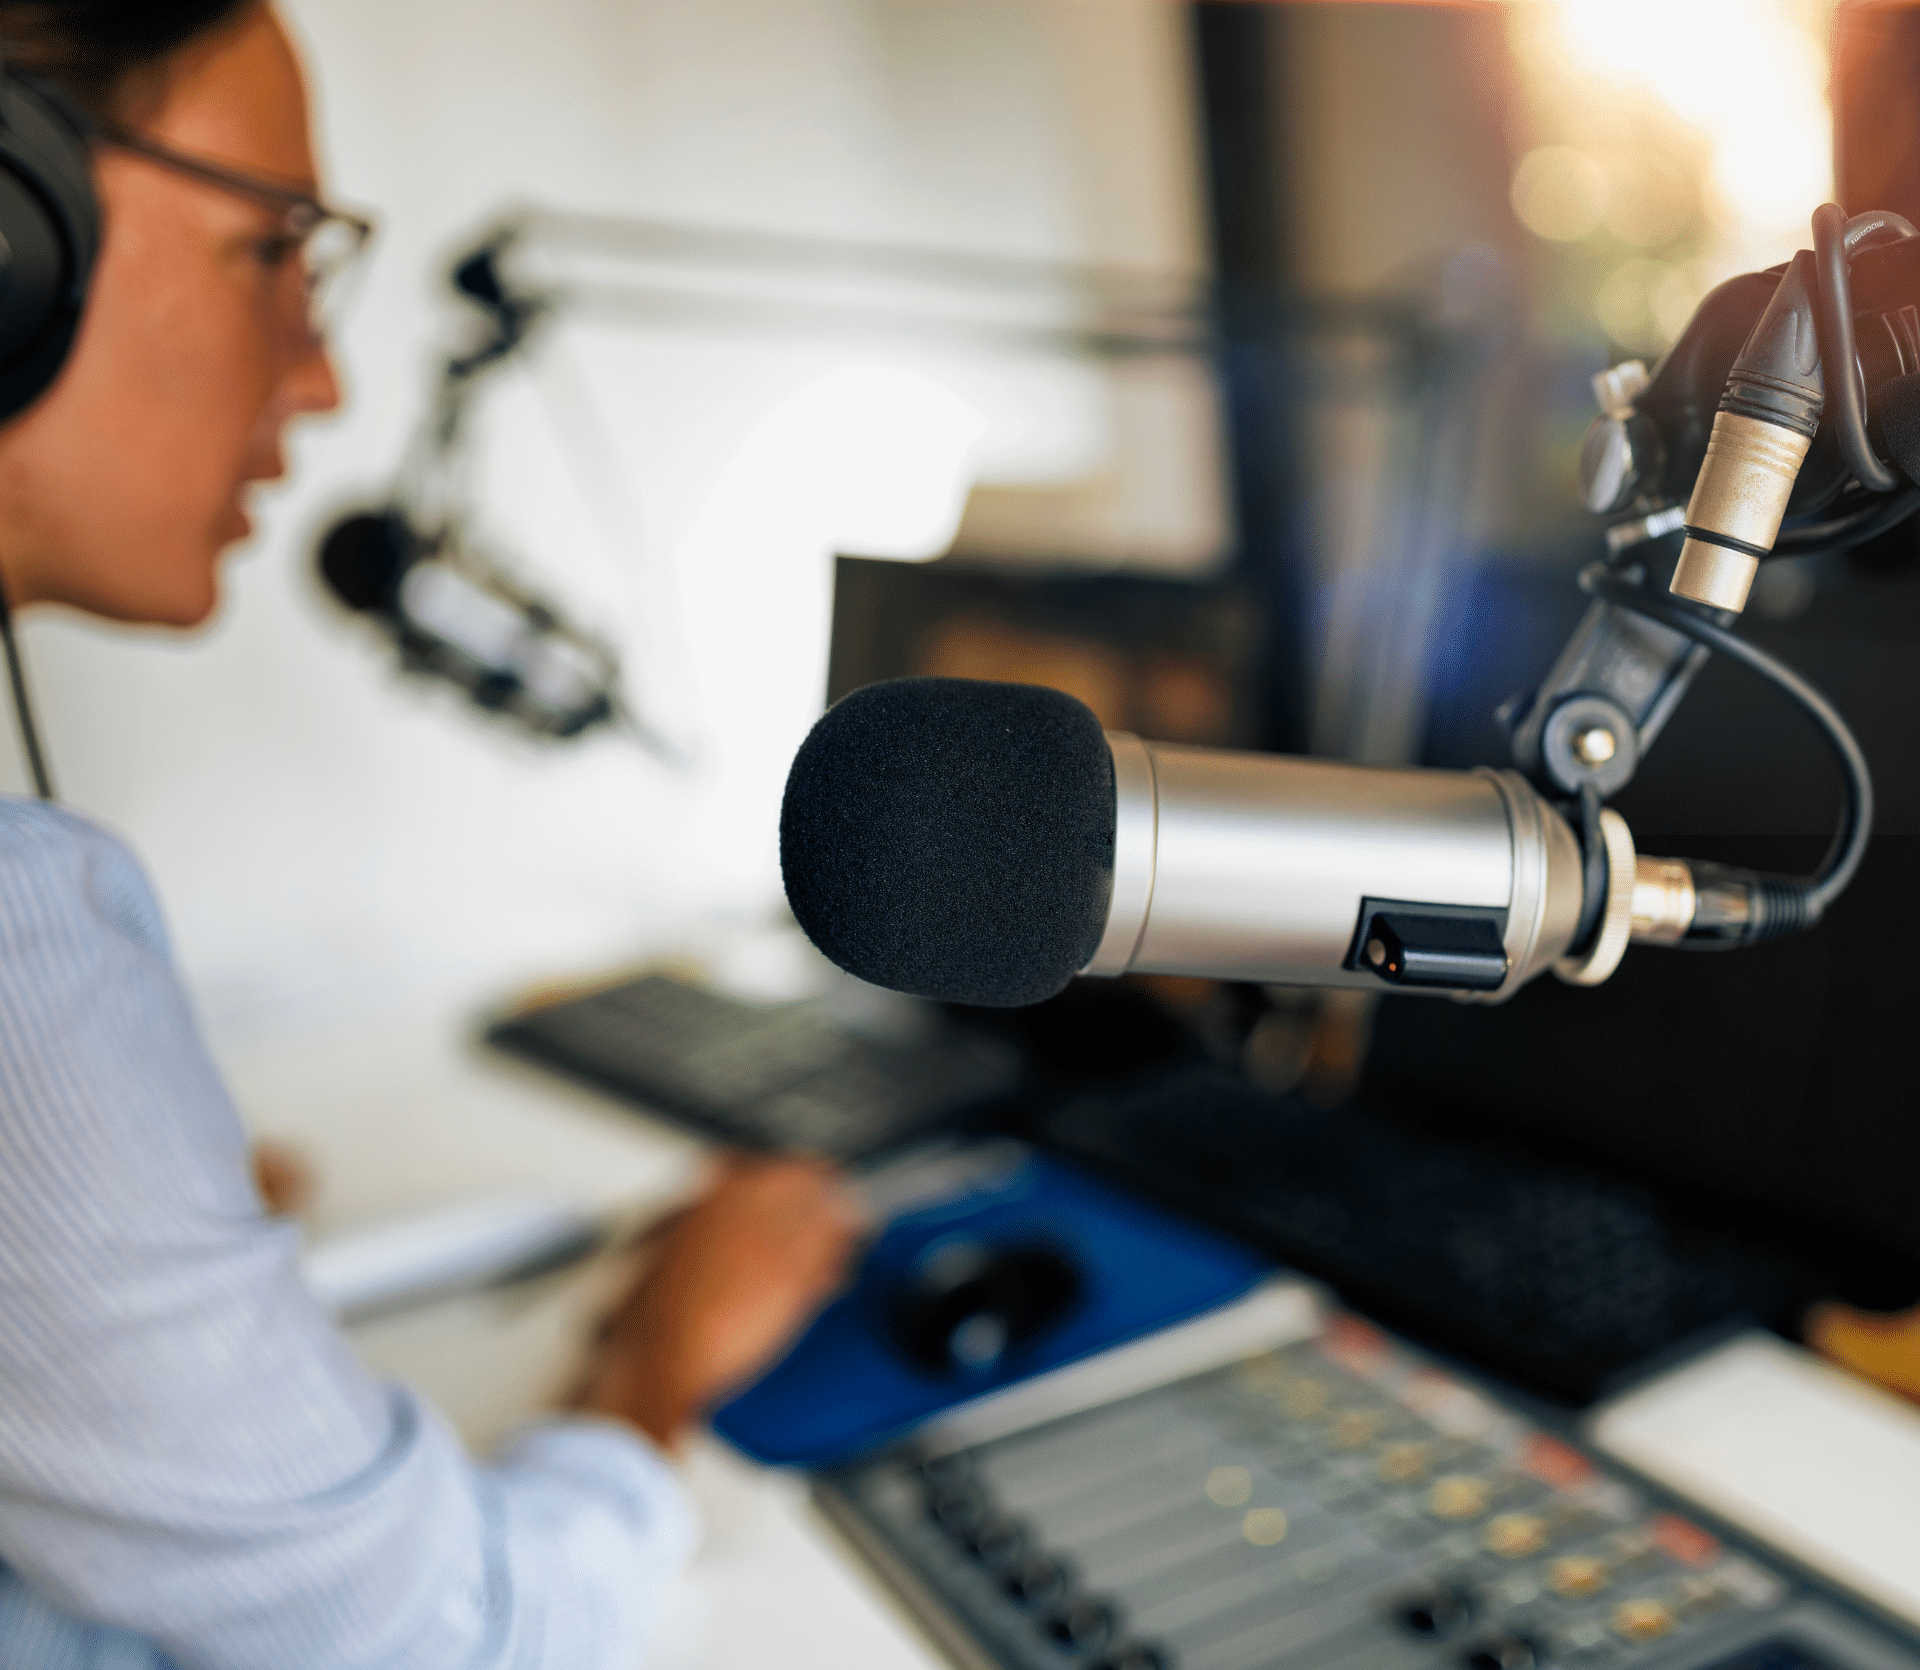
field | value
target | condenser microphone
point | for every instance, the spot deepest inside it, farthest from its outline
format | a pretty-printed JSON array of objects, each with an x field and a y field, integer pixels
[
  {"x": 984, "y": 843},
  {"x": 507, "y": 651}
]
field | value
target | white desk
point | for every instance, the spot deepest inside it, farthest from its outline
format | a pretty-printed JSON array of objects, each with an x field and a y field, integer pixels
[{"x": 407, "y": 1115}]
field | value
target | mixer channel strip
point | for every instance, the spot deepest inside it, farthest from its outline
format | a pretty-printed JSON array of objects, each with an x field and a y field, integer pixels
[{"x": 1336, "y": 1504}]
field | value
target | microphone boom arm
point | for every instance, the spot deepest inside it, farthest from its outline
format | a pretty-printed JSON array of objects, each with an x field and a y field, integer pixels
[{"x": 1634, "y": 654}]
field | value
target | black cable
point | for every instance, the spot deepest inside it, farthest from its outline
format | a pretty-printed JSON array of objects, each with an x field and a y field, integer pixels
[
  {"x": 1846, "y": 400},
  {"x": 23, "y": 704},
  {"x": 1837, "y": 498},
  {"x": 1841, "y": 501},
  {"x": 1843, "y": 533},
  {"x": 1849, "y": 846},
  {"x": 1593, "y": 867}
]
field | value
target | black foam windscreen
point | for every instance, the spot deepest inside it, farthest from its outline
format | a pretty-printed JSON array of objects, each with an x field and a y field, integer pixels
[
  {"x": 953, "y": 839},
  {"x": 363, "y": 556},
  {"x": 1897, "y": 405}
]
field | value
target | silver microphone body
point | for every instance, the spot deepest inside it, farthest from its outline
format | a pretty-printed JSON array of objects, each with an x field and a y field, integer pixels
[{"x": 1288, "y": 871}]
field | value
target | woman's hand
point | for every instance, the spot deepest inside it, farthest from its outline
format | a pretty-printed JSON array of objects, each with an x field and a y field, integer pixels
[
  {"x": 732, "y": 1281},
  {"x": 283, "y": 1179}
]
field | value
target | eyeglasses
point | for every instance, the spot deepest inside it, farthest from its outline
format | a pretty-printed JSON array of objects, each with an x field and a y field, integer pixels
[{"x": 328, "y": 241}]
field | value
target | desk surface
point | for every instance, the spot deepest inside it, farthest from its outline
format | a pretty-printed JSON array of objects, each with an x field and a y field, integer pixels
[{"x": 410, "y": 1114}]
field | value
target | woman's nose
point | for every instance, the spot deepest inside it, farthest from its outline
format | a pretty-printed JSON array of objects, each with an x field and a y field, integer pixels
[{"x": 311, "y": 383}]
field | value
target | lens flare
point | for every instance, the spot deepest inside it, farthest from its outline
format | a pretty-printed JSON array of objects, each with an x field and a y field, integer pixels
[
  {"x": 1559, "y": 193},
  {"x": 1677, "y": 140}
]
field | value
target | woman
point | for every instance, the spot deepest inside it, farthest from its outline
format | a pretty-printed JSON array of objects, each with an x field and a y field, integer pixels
[{"x": 194, "y": 1469}]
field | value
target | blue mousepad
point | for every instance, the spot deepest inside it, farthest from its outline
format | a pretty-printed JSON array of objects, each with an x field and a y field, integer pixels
[{"x": 1080, "y": 1267}]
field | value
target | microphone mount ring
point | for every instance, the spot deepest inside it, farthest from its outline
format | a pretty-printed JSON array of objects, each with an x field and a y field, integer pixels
[{"x": 1616, "y": 920}]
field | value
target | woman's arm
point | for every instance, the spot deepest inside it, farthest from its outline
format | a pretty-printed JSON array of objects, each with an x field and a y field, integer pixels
[{"x": 189, "y": 1450}]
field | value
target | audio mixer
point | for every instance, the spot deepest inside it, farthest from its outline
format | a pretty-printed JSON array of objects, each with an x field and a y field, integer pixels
[{"x": 1338, "y": 1503}]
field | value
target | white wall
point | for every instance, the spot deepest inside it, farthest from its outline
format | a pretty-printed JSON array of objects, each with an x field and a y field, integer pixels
[{"x": 326, "y": 836}]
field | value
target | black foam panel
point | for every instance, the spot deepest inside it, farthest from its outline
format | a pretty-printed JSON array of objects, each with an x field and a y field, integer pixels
[{"x": 1897, "y": 406}]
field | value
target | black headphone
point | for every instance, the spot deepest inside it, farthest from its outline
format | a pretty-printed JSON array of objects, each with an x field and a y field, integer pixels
[{"x": 49, "y": 235}]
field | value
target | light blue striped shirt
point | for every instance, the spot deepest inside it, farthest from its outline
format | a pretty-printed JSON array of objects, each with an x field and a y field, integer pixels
[{"x": 194, "y": 1468}]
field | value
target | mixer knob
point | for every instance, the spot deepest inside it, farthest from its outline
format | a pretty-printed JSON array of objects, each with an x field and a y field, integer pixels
[
  {"x": 1436, "y": 1610},
  {"x": 1501, "y": 1652}
]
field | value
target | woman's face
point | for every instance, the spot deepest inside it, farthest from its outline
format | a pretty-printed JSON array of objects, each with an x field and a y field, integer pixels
[{"x": 122, "y": 486}]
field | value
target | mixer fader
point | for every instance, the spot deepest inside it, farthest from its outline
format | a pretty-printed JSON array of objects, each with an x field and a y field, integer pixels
[{"x": 1337, "y": 1504}]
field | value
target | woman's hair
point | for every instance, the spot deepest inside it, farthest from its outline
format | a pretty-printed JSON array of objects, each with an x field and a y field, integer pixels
[{"x": 100, "y": 51}]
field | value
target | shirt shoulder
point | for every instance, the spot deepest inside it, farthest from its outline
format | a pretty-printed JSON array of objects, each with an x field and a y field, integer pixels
[
  {"x": 63, "y": 877},
  {"x": 109, "y": 1104}
]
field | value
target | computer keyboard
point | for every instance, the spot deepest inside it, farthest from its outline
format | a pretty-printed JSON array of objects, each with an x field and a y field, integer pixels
[
  {"x": 1336, "y": 1504},
  {"x": 777, "y": 1077},
  {"x": 1553, "y": 1275}
]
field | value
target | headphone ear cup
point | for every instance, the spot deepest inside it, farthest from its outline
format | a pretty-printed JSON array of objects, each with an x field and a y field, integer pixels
[
  {"x": 49, "y": 236},
  {"x": 32, "y": 267}
]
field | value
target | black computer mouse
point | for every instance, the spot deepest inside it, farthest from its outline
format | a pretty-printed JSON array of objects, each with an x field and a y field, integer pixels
[{"x": 966, "y": 1304}]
